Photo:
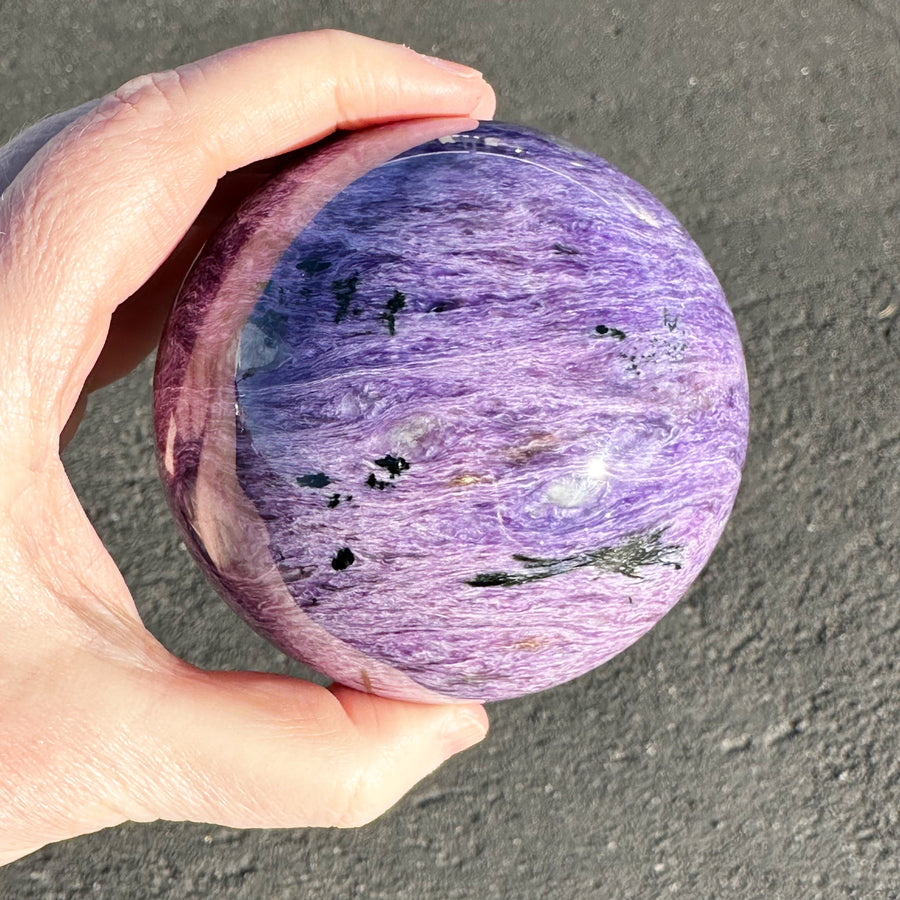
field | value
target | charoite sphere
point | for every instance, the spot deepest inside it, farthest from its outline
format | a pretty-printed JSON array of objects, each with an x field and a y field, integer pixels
[{"x": 451, "y": 415}]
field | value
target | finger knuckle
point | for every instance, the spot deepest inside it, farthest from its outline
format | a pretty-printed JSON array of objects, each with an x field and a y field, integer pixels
[
  {"x": 337, "y": 38},
  {"x": 148, "y": 92},
  {"x": 359, "y": 805},
  {"x": 358, "y": 94},
  {"x": 360, "y": 89},
  {"x": 154, "y": 99}
]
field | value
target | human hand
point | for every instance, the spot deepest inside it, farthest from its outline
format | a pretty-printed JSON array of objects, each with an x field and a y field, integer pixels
[{"x": 100, "y": 723}]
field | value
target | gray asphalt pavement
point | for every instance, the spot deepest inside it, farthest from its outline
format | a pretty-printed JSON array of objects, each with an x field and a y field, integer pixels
[{"x": 749, "y": 746}]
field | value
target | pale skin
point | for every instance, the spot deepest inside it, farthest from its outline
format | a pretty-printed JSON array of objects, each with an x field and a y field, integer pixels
[{"x": 102, "y": 211}]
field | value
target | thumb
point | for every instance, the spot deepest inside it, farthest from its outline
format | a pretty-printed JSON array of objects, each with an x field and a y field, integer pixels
[{"x": 249, "y": 750}]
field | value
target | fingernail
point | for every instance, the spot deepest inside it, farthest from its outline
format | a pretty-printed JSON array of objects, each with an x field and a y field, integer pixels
[
  {"x": 484, "y": 109},
  {"x": 454, "y": 67},
  {"x": 464, "y": 730}
]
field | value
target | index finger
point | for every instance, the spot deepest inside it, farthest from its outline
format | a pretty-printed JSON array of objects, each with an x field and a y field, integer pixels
[{"x": 100, "y": 207}]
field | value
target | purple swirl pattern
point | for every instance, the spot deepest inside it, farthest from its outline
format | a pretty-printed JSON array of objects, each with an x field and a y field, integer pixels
[{"x": 451, "y": 415}]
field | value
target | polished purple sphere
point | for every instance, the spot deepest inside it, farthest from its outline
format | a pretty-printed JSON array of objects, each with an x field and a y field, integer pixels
[{"x": 451, "y": 415}]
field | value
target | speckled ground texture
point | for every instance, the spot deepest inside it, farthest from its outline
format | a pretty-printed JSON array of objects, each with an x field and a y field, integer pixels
[{"x": 748, "y": 745}]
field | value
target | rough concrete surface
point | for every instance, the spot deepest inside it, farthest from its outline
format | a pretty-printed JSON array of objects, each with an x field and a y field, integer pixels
[{"x": 748, "y": 746}]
